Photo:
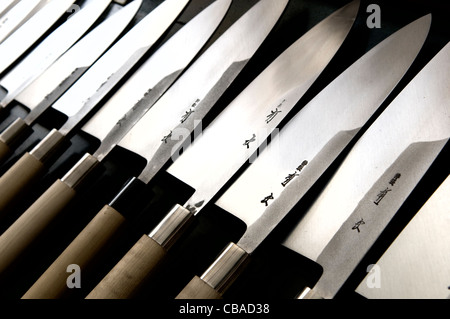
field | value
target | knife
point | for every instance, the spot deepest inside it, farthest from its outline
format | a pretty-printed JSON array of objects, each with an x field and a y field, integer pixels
[
  {"x": 280, "y": 176},
  {"x": 416, "y": 264},
  {"x": 6, "y": 5},
  {"x": 39, "y": 95},
  {"x": 84, "y": 96},
  {"x": 23, "y": 38},
  {"x": 366, "y": 191},
  {"x": 50, "y": 49},
  {"x": 15, "y": 17},
  {"x": 219, "y": 150},
  {"x": 206, "y": 80},
  {"x": 138, "y": 93}
]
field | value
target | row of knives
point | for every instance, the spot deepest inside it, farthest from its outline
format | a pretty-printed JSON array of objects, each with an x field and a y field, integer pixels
[{"x": 218, "y": 149}]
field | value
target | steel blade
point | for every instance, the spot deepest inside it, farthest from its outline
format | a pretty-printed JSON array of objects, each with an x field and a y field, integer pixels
[
  {"x": 24, "y": 37},
  {"x": 50, "y": 49},
  {"x": 153, "y": 78},
  {"x": 93, "y": 86},
  {"x": 50, "y": 85},
  {"x": 6, "y": 5},
  {"x": 15, "y": 17},
  {"x": 416, "y": 264},
  {"x": 230, "y": 140},
  {"x": 376, "y": 177},
  {"x": 264, "y": 91},
  {"x": 313, "y": 139}
]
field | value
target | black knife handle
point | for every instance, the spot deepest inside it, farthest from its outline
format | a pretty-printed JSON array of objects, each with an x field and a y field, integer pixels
[{"x": 128, "y": 199}]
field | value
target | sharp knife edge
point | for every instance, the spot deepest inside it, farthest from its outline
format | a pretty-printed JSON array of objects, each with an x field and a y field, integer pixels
[
  {"x": 15, "y": 17},
  {"x": 308, "y": 145},
  {"x": 325, "y": 130},
  {"x": 86, "y": 95},
  {"x": 407, "y": 137},
  {"x": 153, "y": 78},
  {"x": 415, "y": 266},
  {"x": 50, "y": 49},
  {"x": 69, "y": 67},
  {"x": 64, "y": 72},
  {"x": 290, "y": 88},
  {"x": 18, "y": 42},
  {"x": 6, "y": 5},
  {"x": 191, "y": 38},
  {"x": 89, "y": 89},
  {"x": 152, "y": 150}
]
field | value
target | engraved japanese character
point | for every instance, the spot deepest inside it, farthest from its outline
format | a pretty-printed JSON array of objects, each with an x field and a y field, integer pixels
[
  {"x": 381, "y": 195},
  {"x": 394, "y": 179},
  {"x": 247, "y": 142},
  {"x": 358, "y": 224},
  {"x": 266, "y": 199},
  {"x": 272, "y": 115},
  {"x": 187, "y": 115},
  {"x": 289, "y": 178},
  {"x": 302, "y": 165},
  {"x": 166, "y": 138}
]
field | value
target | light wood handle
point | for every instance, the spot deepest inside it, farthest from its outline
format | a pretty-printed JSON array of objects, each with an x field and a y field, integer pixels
[
  {"x": 10, "y": 136},
  {"x": 83, "y": 249},
  {"x": 5, "y": 151},
  {"x": 198, "y": 289},
  {"x": 18, "y": 178},
  {"x": 27, "y": 228},
  {"x": 125, "y": 279}
]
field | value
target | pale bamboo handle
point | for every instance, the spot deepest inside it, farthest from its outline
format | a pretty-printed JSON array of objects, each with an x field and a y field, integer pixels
[
  {"x": 26, "y": 229},
  {"x": 198, "y": 289},
  {"x": 53, "y": 282},
  {"x": 10, "y": 136},
  {"x": 18, "y": 178},
  {"x": 5, "y": 151},
  {"x": 125, "y": 279}
]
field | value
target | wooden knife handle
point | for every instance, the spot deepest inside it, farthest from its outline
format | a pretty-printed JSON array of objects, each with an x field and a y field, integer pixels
[
  {"x": 198, "y": 289},
  {"x": 124, "y": 280},
  {"x": 34, "y": 221},
  {"x": 27, "y": 228},
  {"x": 219, "y": 276},
  {"x": 27, "y": 171},
  {"x": 83, "y": 249},
  {"x": 142, "y": 261},
  {"x": 10, "y": 136},
  {"x": 18, "y": 178}
]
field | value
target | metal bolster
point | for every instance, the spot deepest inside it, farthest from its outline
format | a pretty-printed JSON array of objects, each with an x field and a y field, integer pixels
[
  {"x": 10, "y": 135},
  {"x": 45, "y": 149},
  {"x": 78, "y": 173},
  {"x": 172, "y": 227},
  {"x": 227, "y": 267}
]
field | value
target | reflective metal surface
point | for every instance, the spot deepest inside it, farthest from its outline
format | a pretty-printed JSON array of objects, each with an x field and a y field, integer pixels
[
  {"x": 191, "y": 97},
  {"x": 84, "y": 95},
  {"x": 51, "y": 84},
  {"x": 153, "y": 78},
  {"x": 230, "y": 140},
  {"x": 51, "y": 48},
  {"x": 15, "y": 17},
  {"x": 313, "y": 139},
  {"x": 416, "y": 264},
  {"x": 6, "y": 5},
  {"x": 376, "y": 177},
  {"x": 16, "y": 44}
]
